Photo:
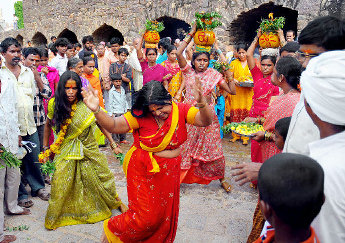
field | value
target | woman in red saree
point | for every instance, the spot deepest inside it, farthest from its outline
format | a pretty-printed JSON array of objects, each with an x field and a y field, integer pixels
[
  {"x": 286, "y": 75},
  {"x": 263, "y": 90},
  {"x": 152, "y": 165},
  {"x": 202, "y": 155}
]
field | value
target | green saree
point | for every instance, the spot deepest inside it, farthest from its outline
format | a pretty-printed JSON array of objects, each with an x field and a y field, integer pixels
[{"x": 83, "y": 188}]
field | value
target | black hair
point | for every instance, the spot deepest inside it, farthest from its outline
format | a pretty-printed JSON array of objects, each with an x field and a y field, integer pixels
[
  {"x": 171, "y": 48},
  {"x": 292, "y": 184},
  {"x": 86, "y": 39},
  {"x": 53, "y": 37},
  {"x": 195, "y": 56},
  {"x": 150, "y": 49},
  {"x": 87, "y": 59},
  {"x": 44, "y": 52},
  {"x": 164, "y": 42},
  {"x": 327, "y": 32},
  {"x": 115, "y": 40},
  {"x": 123, "y": 50},
  {"x": 291, "y": 46},
  {"x": 89, "y": 54},
  {"x": 294, "y": 33},
  {"x": 9, "y": 41},
  {"x": 282, "y": 126},
  {"x": 72, "y": 62},
  {"x": 272, "y": 58},
  {"x": 53, "y": 49},
  {"x": 63, "y": 109},
  {"x": 291, "y": 68},
  {"x": 70, "y": 46},
  {"x": 151, "y": 93},
  {"x": 61, "y": 42},
  {"x": 241, "y": 46},
  {"x": 77, "y": 45},
  {"x": 115, "y": 76},
  {"x": 30, "y": 50}
]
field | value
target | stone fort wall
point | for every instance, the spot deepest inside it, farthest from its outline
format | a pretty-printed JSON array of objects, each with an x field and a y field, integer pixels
[{"x": 83, "y": 17}]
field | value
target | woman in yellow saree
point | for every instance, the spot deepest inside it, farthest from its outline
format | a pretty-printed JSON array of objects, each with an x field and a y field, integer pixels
[
  {"x": 152, "y": 165},
  {"x": 83, "y": 188}
]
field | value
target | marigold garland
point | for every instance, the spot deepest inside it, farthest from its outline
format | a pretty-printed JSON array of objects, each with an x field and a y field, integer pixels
[{"x": 55, "y": 147}]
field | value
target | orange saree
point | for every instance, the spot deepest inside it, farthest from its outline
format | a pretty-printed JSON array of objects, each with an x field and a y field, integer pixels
[{"x": 153, "y": 184}]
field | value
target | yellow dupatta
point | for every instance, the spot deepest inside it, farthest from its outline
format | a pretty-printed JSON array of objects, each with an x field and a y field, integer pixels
[{"x": 165, "y": 142}]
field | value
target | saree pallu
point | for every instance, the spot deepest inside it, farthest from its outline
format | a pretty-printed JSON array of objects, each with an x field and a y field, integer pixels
[
  {"x": 175, "y": 82},
  {"x": 83, "y": 188},
  {"x": 152, "y": 182},
  {"x": 202, "y": 153},
  {"x": 237, "y": 106}
]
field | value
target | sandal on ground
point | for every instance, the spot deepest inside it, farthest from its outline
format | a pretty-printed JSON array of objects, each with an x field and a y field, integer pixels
[
  {"x": 25, "y": 212},
  {"x": 25, "y": 203},
  {"x": 43, "y": 195},
  {"x": 8, "y": 238},
  {"x": 226, "y": 186}
]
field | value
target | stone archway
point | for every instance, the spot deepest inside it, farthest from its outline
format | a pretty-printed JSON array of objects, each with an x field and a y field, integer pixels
[
  {"x": 174, "y": 28},
  {"x": 39, "y": 39},
  {"x": 69, "y": 35},
  {"x": 243, "y": 28},
  {"x": 20, "y": 39},
  {"x": 105, "y": 33}
]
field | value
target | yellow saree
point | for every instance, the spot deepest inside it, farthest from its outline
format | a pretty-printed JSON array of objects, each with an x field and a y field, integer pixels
[{"x": 83, "y": 188}]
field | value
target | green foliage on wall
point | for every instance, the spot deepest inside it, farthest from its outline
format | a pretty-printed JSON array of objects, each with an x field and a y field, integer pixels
[{"x": 18, "y": 10}]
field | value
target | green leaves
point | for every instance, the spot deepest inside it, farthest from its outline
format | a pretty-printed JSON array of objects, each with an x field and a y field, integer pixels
[
  {"x": 9, "y": 159},
  {"x": 268, "y": 25},
  {"x": 205, "y": 21},
  {"x": 221, "y": 66},
  {"x": 120, "y": 157},
  {"x": 18, "y": 10},
  {"x": 153, "y": 25},
  {"x": 48, "y": 168}
]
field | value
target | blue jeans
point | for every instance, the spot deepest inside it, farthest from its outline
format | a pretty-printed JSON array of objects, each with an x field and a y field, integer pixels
[{"x": 31, "y": 169}]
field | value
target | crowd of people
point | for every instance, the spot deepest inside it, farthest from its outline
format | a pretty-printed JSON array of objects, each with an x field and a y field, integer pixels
[{"x": 66, "y": 100}]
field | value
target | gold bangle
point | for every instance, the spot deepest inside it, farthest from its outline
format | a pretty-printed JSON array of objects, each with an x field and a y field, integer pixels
[
  {"x": 98, "y": 110},
  {"x": 114, "y": 145}
]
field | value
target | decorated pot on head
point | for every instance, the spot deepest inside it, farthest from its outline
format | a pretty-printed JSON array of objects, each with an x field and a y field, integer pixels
[
  {"x": 151, "y": 36},
  {"x": 269, "y": 28},
  {"x": 204, "y": 37}
]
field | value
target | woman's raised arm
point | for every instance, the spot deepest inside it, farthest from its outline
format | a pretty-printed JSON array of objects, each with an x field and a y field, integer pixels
[
  {"x": 251, "y": 49},
  {"x": 180, "y": 58}
]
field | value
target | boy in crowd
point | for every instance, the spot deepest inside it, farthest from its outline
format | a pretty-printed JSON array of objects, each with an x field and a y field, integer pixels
[
  {"x": 117, "y": 103},
  {"x": 87, "y": 47},
  {"x": 60, "y": 60},
  {"x": 291, "y": 196},
  {"x": 290, "y": 35},
  {"x": 70, "y": 51},
  {"x": 125, "y": 71},
  {"x": 280, "y": 131},
  {"x": 115, "y": 44},
  {"x": 77, "y": 47}
]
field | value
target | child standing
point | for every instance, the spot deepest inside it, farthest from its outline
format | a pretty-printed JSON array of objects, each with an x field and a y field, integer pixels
[
  {"x": 117, "y": 103},
  {"x": 122, "y": 68}
]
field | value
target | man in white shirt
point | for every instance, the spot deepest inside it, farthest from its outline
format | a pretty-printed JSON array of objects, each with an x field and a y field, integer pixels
[
  {"x": 323, "y": 86},
  {"x": 25, "y": 86},
  {"x": 135, "y": 65},
  {"x": 60, "y": 60},
  {"x": 320, "y": 35}
]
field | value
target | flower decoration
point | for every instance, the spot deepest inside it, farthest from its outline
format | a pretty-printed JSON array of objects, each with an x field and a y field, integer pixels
[
  {"x": 272, "y": 24},
  {"x": 205, "y": 21},
  {"x": 153, "y": 25},
  {"x": 221, "y": 66},
  {"x": 55, "y": 147}
]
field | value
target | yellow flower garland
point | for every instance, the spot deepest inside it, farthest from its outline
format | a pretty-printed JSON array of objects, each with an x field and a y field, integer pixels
[{"x": 55, "y": 147}]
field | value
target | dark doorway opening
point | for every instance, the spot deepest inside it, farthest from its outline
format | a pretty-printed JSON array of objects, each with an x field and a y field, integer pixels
[
  {"x": 20, "y": 39},
  {"x": 243, "y": 28},
  {"x": 70, "y": 35},
  {"x": 39, "y": 39},
  {"x": 105, "y": 33},
  {"x": 174, "y": 28}
]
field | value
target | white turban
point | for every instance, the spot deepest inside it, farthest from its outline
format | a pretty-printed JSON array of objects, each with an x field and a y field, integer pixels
[{"x": 323, "y": 86}]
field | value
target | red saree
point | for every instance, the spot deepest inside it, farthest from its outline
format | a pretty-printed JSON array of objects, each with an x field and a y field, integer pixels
[
  {"x": 152, "y": 182},
  {"x": 263, "y": 91}
]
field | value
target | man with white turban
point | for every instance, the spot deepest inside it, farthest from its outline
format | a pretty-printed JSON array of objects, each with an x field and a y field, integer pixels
[{"x": 323, "y": 86}]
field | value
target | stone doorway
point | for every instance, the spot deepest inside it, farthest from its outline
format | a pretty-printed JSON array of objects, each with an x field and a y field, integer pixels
[
  {"x": 174, "y": 28},
  {"x": 105, "y": 33},
  {"x": 39, "y": 40},
  {"x": 243, "y": 28},
  {"x": 69, "y": 35},
  {"x": 20, "y": 39}
]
